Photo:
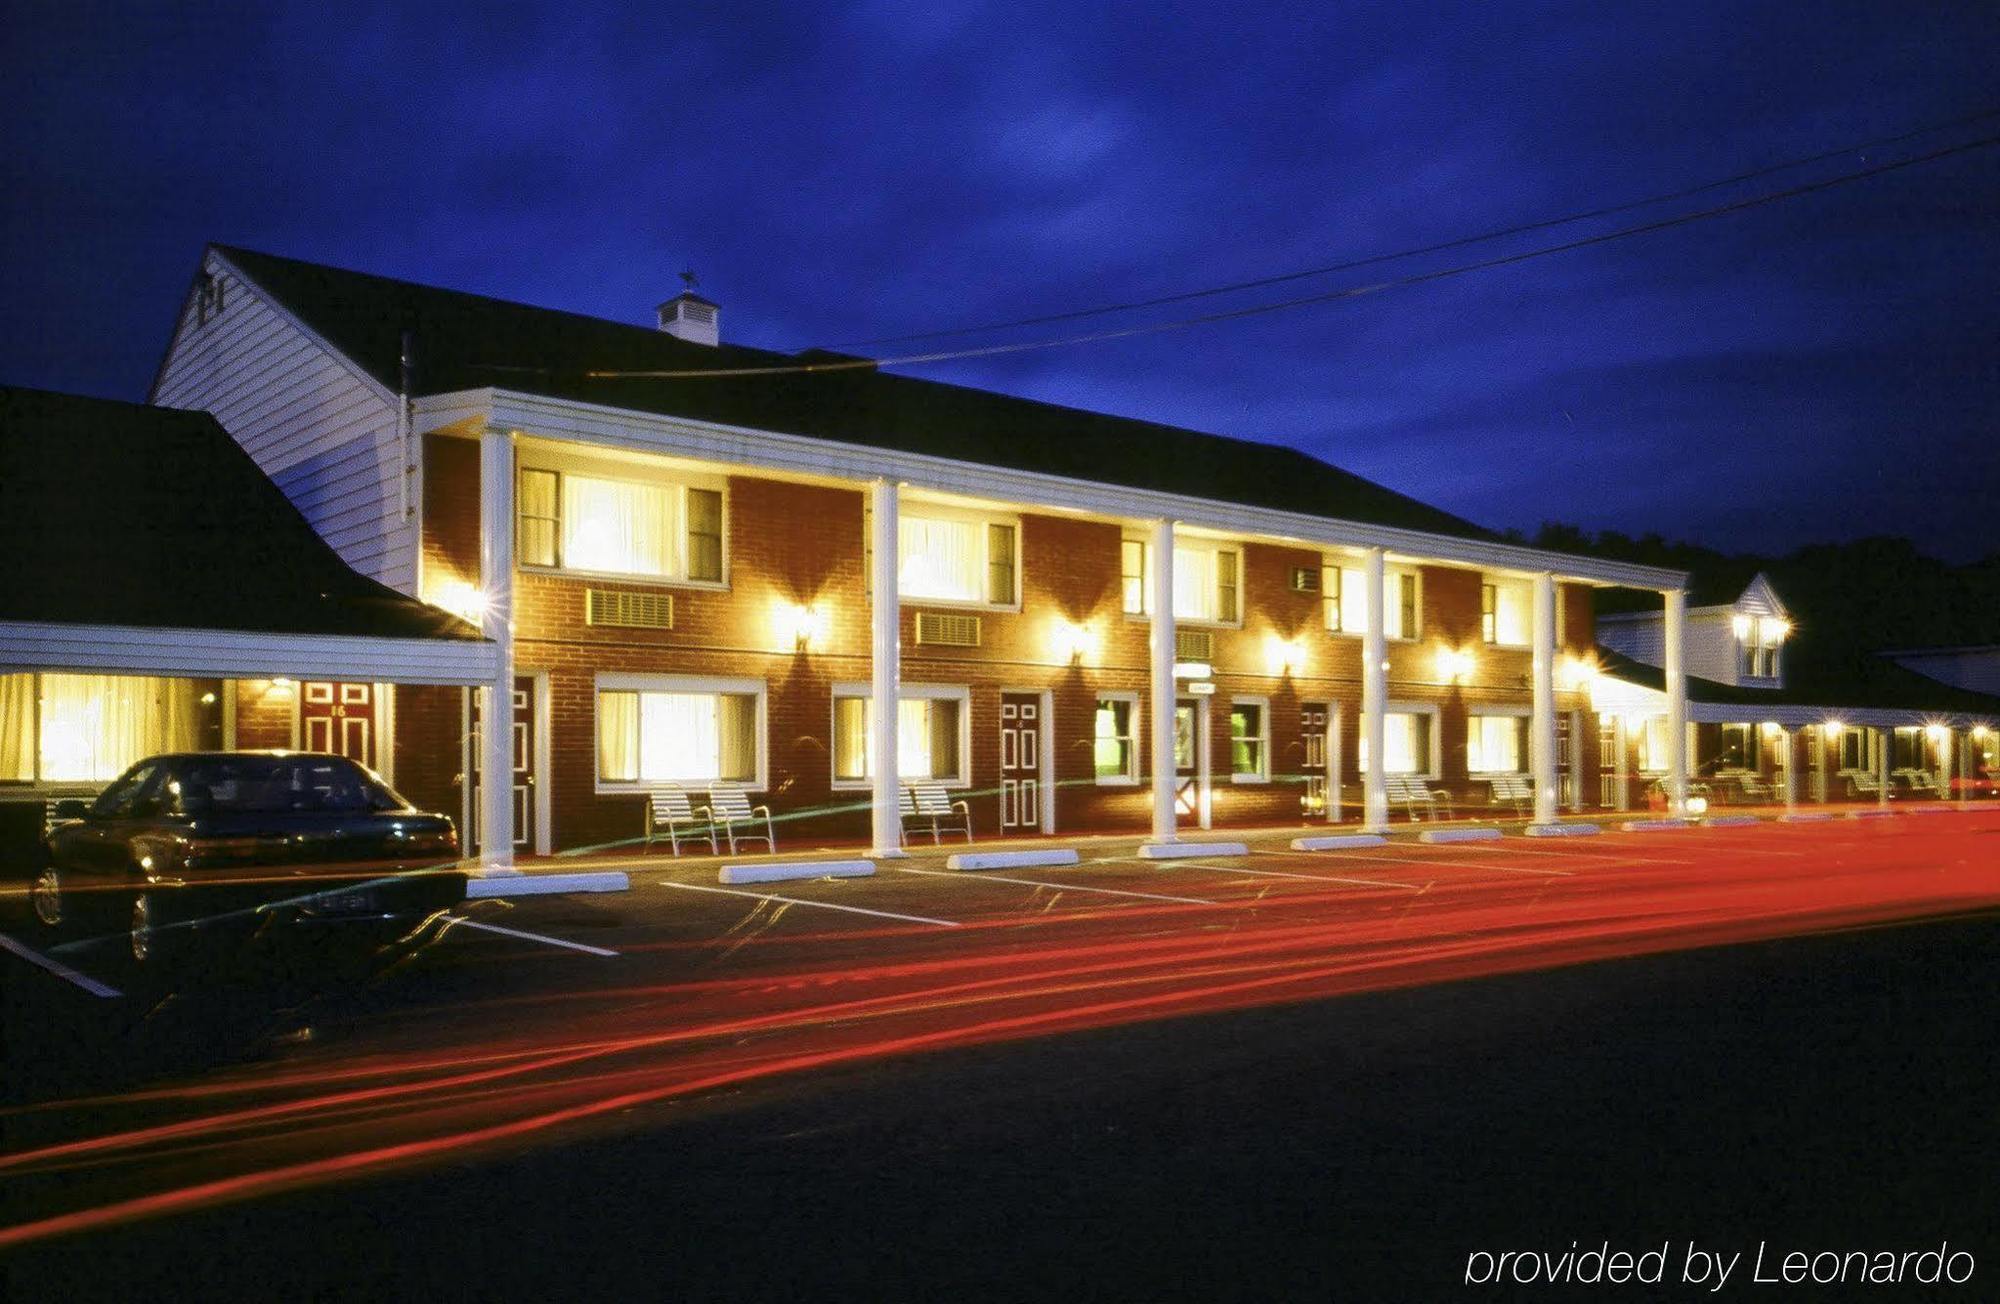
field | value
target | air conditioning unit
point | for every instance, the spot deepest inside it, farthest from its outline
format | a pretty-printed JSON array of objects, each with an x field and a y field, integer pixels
[
  {"x": 1194, "y": 645},
  {"x": 1305, "y": 579},
  {"x": 947, "y": 629},
  {"x": 629, "y": 610}
]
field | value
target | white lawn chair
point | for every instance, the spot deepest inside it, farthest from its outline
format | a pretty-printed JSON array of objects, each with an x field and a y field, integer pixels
[
  {"x": 1512, "y": 790},
  {"x": 669, "y": 814},
  {"x": 945, "y": 815},
  {"x": 730, "y": 812}
]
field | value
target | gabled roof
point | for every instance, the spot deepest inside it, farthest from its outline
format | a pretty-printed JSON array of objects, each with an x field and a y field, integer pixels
[
  {"x": 467, "y": 341},
  {"x": 119, "y": 514},
  {"x": 1861, "y": 681}
]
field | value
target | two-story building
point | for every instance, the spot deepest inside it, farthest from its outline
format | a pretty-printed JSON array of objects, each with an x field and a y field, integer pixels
[
  {"x": 706, "y": 564},
  {"x": 1853, "y": 725}
]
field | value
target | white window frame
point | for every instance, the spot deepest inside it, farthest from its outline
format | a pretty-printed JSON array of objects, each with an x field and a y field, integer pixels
[
  {"x": 925, "y": 510},
  {"x": 639, "y": 683},
  {"x": 1354, "y": 606},
  {"x": 1414, "y": 708},
  {"x": 1525, "y": 589},
  {"x": 1137, "y": 775},
  {"x": 1183, "y": 543},
  {"x": 960, "y": 693},
  {"x": 1263, "y": 705},
  {"x": 675, "y": 479},
  {"x": 1483, "y": 709}
]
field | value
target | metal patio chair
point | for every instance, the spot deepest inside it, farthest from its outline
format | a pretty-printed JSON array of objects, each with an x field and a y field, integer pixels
[
  {"x": 669, "y": 814},
  {"x": 1512, "y": 790},
  {"x": 729, "y": 811}
]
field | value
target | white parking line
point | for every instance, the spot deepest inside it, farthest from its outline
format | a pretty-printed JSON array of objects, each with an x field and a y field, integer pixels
[
  {"x": 58, "y": 968},
  {"x": 801, "y": 901},
  {"x": 1454, "y": 864},
  {"x": 585, "y": 947},
  {"x": 983, "y": 877}
]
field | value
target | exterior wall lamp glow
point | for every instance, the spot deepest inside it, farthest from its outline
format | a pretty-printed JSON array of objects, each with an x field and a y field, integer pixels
[
  {"x": 1453, "y": 665},
  {"x": 1075, "y": 642},
  {"x": 805, "y": 623},
  {"x": 462, "y": 599},
  {"x": 1833, "y": 728},
  {"x": 1283, "y": 656}
]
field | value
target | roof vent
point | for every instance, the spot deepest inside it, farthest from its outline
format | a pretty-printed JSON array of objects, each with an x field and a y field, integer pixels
[{"x": 688, "y": 316}]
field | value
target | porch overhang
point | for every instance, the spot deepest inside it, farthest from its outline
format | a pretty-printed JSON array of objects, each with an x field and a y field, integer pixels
[{"x": 237, "y": 654}]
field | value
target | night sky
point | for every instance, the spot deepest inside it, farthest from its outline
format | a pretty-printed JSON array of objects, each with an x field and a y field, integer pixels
[{"x": 1815, "y": 370}]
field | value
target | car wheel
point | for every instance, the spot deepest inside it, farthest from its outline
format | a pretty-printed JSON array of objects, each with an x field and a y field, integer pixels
[
  {"x": 46, "y": 895},
  {"x": 142, "y": 927}
]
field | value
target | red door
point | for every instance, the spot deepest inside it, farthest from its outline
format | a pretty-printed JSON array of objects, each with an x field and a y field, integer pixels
[
  {"x": 1020, "y": 762},
  {"x": 524, "y": 764},
  {"x": 338, "y": 718}
]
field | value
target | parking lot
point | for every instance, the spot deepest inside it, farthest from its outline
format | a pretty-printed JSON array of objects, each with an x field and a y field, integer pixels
[{"x": 511, "y": 1022}]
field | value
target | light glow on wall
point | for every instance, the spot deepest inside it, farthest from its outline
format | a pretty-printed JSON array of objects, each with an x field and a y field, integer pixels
[
  {"x": 1074, "y": 642},
  {"x": 1453, "y": 665},
  {"x": 461, "y": 598},
  {"x": 802, "y": 624},
  {"x": 1283, "y": 656}
]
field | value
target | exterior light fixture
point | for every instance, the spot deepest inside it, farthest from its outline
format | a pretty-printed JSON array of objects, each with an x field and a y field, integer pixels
[
  {"x": 1697, "y": 805},
  {"x": 1075, "y": 642},
  {"x": 1771, "y": 726},
  {"x": 1979, "y": 731},
  {"x": 1833, "y": 728},
  {"x": 1938, "y": 733},
  {"x": 468, "y": 602},
  {"x": 1283, "y": 656},
  {"x": 1453, "y": 665},
  {"x": 803, "y": 622}
]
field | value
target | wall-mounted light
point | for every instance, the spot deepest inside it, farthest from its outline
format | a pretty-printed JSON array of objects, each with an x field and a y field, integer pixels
[
  {"x": 1771, "y": 728},
  {"x": 1453, "y": 665},
  {"x": 1284, "y": 656},
  {"x": 1833, "y": 728},
  {"x": 1578, "y": 673},
  {"x": 1938, "y": 733},
  {"x": 1074, "y": 642},
  {"x": 467, "y": 601},
  {"x": 801, "y": 622},
  {"x": 1979, "y": 731}
]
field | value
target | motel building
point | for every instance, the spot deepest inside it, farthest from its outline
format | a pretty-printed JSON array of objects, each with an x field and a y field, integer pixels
[
  {"x": 1864, "y": 728},
  {"x": 680, "y": 566}
]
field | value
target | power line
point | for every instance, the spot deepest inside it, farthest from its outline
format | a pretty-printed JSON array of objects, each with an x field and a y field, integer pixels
[
  {"x": 1440, "y": 247},
  {"x": 1282, "y": 305}
]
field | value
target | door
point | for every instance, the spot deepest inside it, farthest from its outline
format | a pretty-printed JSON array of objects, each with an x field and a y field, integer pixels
[
  {"x": 1191, "y": 773},
  {"x": 1312, "y": 732},
  {"x": 1816, "y": 748},
  {"x": 524, "y": 765},
  {"x": 1020, "y": 762},
  {"x": 339, "y": 718},
  {"x": 1566, "y": 775},
  {"x": 1608, "y": 734}
]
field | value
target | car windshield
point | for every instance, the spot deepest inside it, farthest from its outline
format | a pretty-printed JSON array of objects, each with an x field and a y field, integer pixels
[{"x": 226, "y": 785}]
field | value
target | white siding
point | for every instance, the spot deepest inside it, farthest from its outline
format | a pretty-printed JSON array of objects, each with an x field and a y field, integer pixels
[
  {"x": 324, "y": 432},
  {"x": 1709, "y": 651}
]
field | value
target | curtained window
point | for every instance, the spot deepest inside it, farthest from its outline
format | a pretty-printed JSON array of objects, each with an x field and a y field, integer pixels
[
  {"x": 930, "y": 738},
  {"x": 955, "y": 558},
  {"x": 1505, "y": 612},
  {"x": 1207, "y": 581},
  {"x": 1406, "y": 743},
  {"x": 1495, "y": 744},
  {"x": 612, "y": 526},
  {"x": 1400, "y": 596},
  {"x": 669, "y": 736},
  {"x": 90, "y": 728}
]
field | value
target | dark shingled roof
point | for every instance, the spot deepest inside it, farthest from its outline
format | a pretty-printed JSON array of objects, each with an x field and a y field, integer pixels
[
  {"x": 118, "y": 514},
  {"x": 467, "y": 341},
  {"x": 1861, "y": 681}
]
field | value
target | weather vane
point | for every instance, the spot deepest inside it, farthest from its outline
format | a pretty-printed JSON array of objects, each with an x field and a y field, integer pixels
[{"x": 688, "y": 279}]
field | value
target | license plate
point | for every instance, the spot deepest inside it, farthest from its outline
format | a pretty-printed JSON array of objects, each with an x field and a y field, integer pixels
[{"x": 353, "y": 900}]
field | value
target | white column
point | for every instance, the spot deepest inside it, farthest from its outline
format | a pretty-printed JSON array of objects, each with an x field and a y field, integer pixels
[
  {"x": 1333, "y": 763},
  {"x": 1677, "y": 702},
  {"x": 1374, "y": 697},
  {"x": 1621, "y": 778},
  {"x": 1161, "y": 601},
  {"x": 496, "y": 699},
  {"x": 1946, "y": 765},
  {"x": 885, "y": 614},
  {"x": 1791, "y": 771},
  {"x": 1542, "y": 721},
  {"x": 1885, "y": 743}
]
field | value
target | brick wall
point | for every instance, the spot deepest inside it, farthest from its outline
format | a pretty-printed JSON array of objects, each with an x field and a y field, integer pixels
[{"x": 794, "y": 544}]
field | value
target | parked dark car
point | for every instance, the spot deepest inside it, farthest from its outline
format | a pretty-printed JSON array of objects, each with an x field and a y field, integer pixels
[{"x": 225, "y": 842}]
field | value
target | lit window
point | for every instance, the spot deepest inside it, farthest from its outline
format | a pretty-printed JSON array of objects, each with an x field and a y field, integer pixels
[
  {"x": 930, "y": 735},
  {"x": 1207, "y": 581},
  {"x": 612, "y": 526},
  {"x": 1329, "y": 595},
  {"x": 1653, "y": 737},
  {"x": 91, "y": 728},
  {"x": 1495, "y": 744},
  {"x": 1114, "y": 739},
  {"x": 679, "y": 732},
  {"x": 1505, "y": 608},
  {"x": 1249, "y": 742},
  {"x": 955, "y": 558},
  {"x": 1401, "y": 594},
  {"x": 1406, "y": 745}
]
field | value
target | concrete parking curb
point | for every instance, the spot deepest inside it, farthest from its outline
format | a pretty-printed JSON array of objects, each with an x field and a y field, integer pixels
[
  {"x": 1011, "y": 859},
  {"x": 519, "y": 885},
  {"x": 1653, "y": 826},
  {"x": 1561, "y": 830},
  {"x": 1339, "y": 842},
  {"x": 1729, "y": 821},
  {"x": 778, "y": 871},
  {"x": 1180, "y": 850},
  {"x": 1458, "y": 835}
]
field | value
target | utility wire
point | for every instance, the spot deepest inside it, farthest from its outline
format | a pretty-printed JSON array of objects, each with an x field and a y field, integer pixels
[
  {"x": 1440, "y": 247},
  {"x": 1282, "y": 305}
]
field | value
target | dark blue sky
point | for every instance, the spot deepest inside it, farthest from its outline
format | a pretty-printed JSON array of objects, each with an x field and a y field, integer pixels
[{"x": 1810, "y": 371}]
